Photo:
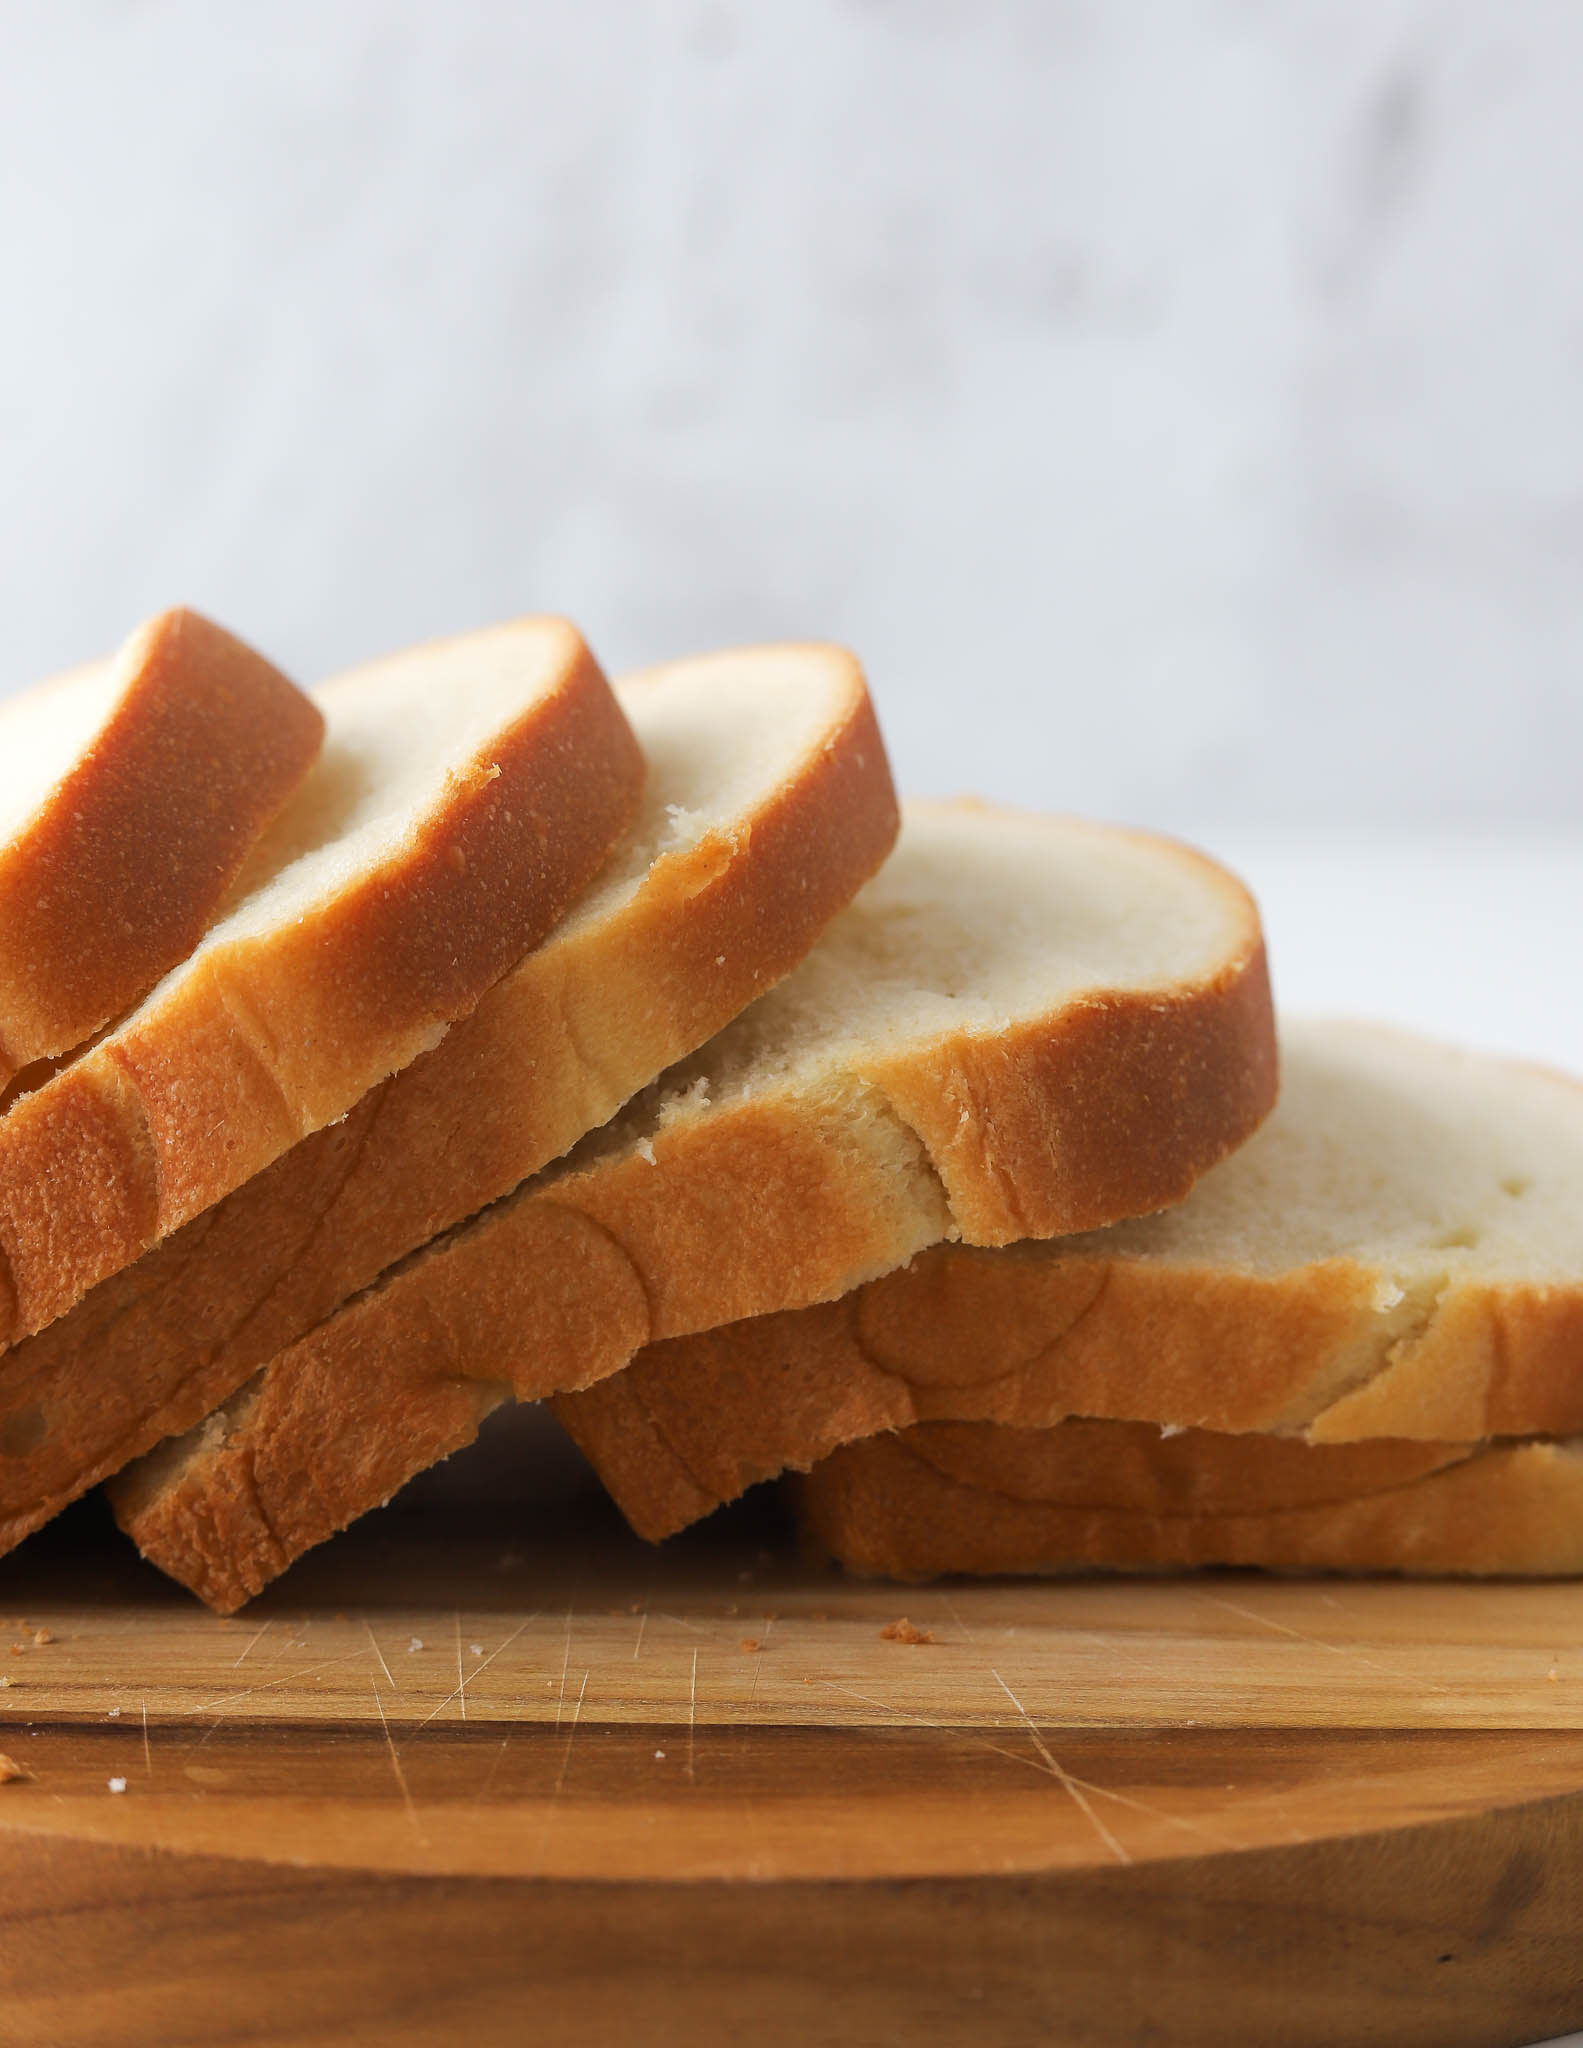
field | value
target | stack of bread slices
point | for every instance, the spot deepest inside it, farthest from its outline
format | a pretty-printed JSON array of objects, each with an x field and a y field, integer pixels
[{"x": 472, "y": 1031}]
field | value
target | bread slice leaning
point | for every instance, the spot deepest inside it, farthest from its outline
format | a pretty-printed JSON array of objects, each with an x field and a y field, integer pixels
[
  {"x": 131, "y": 790},
  {"x": 1397, "y": 1252},
  {"x": 466, "y": 792},
  {"x": 768, "y": 802},
  {"x": 985, "y": 1499},
  {"x": 1021, "y": 1025}
]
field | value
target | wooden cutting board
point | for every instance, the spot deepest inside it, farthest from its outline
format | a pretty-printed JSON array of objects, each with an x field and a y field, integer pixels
[{"x": 448, "y": 1784}]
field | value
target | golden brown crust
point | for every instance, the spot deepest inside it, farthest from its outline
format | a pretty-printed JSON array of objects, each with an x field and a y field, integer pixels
[
  {"x": 772, "y": 1199},
  {"x": 414, "y": 1362},
  {"x": 1491, "y": 1361},
  {"x": 555, "y": 1287},
  {"x": 884, "y": 1509},
  {"x": 267, "y": 1039},
  {"x": 1026, "y": 1337},
  {"x": 553, "y": 1049},
  {"x": 1134, "y": 1468},
  {"x": 118, "y": 873},
  {"x": 959, "y": 1334},
  {"x": 1114, "y": 1109},
  {"x": 695, "y": 1421}
]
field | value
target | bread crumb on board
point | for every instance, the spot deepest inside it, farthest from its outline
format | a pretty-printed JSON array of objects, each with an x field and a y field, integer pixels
[
  {"x": 749, "y": 1644},
  {"x": 117, "y": 1784},
  {"x": 41, "y": 1636},
  {"x": 11, "y": 1770},
  {"x": 905, "y": 1631}
]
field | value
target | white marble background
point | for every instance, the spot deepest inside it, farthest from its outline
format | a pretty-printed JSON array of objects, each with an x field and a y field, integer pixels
[{"x": 1178, "y": 405}]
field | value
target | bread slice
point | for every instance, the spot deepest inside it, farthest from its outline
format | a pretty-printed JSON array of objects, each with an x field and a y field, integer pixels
[
  {"x": 982, "y": 1498},
  {"x": 1021, "y": 1025},
  {"x": 768, "y": 802},
  {"x": 465, "y": 793},
  {"x": 130, "y": 792},
  {"x": 1398, "y": 1252}
]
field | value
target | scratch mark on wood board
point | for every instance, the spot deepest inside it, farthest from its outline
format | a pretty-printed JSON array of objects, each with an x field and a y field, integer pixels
[
  {"x": 395, "y": 1764},
  {"x": 1068, "y": 1782}
]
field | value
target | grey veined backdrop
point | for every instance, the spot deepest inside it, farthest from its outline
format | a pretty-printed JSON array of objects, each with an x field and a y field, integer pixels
[{"x": 1179, "y": 406}]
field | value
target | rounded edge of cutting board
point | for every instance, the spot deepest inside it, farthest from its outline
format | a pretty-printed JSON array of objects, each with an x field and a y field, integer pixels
[
  {"x": 1460, "y": 1933},
  {"x": 1330, "y": 1812}
]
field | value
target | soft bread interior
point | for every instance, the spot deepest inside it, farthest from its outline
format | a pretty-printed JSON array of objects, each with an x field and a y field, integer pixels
[
  {"x": 979, "y": 918},
  {"x": 720, "y": 735},
  {"x": 1426, "y": 1161}
]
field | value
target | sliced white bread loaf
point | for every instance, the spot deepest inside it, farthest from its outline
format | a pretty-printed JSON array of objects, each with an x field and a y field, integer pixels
[
  {"x": 131, "y": 791},
  {"x": 768, "y": 803},
  {"x": 1021, "y": 1025},
  {"x": 466, "y": 792},
  {"x": 986, "y": 1499},
  {"x": 1397, "y": 1252}
]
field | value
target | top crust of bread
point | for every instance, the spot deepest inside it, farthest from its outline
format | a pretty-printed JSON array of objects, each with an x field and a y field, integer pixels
[
  {"x": 1398, "y": 1252},
  {"x": 1019, "y": 1024},
  {"x": 465, "y": 793},
  {"x": 768, "y": 802},
  {"x": 131, "y": 791}
]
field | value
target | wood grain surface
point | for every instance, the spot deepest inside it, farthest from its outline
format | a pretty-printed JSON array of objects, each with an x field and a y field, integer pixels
[{"x": 459, "y": 1779}]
